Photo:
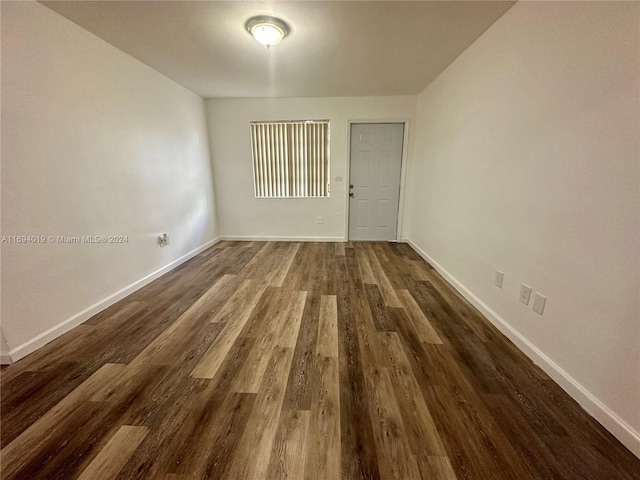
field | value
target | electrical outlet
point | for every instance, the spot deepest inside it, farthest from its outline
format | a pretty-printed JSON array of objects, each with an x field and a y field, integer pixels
[
  {"x": 499, "y": 279},
  {"x": 525, "y": 294},
  {"x": 319, "y": 220},
  {"x": 163, "y": 240},
  {"x": 538, "y": 303}
]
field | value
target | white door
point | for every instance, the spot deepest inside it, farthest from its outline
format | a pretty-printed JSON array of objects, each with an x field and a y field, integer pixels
[{"x": 374, "y": 180}]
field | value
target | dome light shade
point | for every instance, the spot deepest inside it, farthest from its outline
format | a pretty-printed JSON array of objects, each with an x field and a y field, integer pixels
[{"x": 268, "y": 31}]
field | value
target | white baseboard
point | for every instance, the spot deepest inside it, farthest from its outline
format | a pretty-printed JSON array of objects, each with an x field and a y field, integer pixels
[
  {"x": 251, "y": 238},
  {"x": 5, "y": 358},
  {"x": 607, "y": 418},
  {"x": 45, "y": 337}
]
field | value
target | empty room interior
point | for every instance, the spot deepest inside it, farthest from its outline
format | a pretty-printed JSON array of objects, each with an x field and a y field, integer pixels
[{"x": 359, "y": 240}]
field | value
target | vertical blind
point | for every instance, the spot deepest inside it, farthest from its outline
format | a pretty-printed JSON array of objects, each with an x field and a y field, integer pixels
[{"x": 290, "y": 159}]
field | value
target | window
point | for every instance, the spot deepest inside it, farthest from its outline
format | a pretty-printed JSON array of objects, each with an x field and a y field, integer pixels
[{"x": 290, "y": 159}]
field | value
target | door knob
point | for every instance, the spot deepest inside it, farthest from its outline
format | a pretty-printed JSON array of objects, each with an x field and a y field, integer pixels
[
  {"x": 351, "y": 194},
  {"x": 350, "y": 186}
]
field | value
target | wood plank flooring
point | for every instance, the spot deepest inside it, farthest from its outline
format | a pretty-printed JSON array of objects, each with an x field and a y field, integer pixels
[{"x": 295, "y": 361}]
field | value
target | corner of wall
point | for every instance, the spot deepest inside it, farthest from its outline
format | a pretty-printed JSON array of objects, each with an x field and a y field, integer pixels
[{"x": 5, "y": 356}]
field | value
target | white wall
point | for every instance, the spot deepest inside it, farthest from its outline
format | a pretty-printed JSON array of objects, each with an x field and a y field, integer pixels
[
  {"x": 527, "y": 160},
  {"x": 240, "y": 214},
  {"x": 93, "y": 143}
]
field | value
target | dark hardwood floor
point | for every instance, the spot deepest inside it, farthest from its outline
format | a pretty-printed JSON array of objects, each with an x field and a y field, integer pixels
[{"x": 299, "y": 361}]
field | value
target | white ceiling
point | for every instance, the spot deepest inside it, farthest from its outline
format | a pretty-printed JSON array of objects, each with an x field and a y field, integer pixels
[{"x": 335, "y": 48}]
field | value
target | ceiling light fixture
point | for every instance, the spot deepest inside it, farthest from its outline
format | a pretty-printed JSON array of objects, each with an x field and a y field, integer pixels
[{"x": 268, "y": 31}]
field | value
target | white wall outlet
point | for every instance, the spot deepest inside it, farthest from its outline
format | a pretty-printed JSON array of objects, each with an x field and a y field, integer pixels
[
  {"x": 538, "y": 303},
  {"x": 499, "y": 279},
  {"x": 319, "y": 220},
  {"x": 525, "y": 294},
  {"x": 163, "y": 240}
]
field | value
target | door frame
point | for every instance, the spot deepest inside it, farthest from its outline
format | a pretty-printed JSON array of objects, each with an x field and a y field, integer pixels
[{"x": 403, "y": 169}]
